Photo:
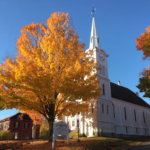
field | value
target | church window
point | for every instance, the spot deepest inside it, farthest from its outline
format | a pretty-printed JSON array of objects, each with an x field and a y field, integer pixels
[
  {"x": 73, "y": 123},
  {"x": 143, "y": 116},
  {"x": 103, "y": 89},
  {"x": 92, "y": 108},
  {"x": 125, "y": 113},
  {"x": 126, "y": 129},
  {"x": 91, "y": 40},
  {"x": 103, "y": 70},
  {"x": 136, "y": 131},
  {"x": 114, "y": 110},
  {"x": 102, "y": 108},
  {"x": 145, "y": 132},
  {"x": 98, "y": 39},
  {"x": 107, "y": 109},
  {"x": 135, "y": 114}
]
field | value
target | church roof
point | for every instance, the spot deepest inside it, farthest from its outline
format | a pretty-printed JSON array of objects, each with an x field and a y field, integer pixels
[{"x": 122, "y": 93}]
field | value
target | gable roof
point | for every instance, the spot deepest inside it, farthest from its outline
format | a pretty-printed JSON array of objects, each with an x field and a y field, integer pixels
[
  {"x": 122, "y": 93},
  {"x": 16, "y": 116}
]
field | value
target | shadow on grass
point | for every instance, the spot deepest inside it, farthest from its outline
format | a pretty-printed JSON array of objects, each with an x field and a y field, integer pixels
[{"x": 96, "y": 143}]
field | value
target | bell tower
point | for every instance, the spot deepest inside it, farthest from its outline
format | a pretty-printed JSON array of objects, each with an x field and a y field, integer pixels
[
  {"x": 100, "y": 57},
  {"x": 105, "y": 118}
]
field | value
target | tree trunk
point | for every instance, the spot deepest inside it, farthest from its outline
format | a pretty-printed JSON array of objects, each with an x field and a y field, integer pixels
[{"x": 50, "y": 130}]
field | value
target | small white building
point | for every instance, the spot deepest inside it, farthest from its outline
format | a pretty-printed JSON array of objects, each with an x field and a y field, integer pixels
[{"x": 119, "y": 112}]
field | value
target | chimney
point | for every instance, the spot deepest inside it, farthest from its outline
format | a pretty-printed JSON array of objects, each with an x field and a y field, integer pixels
[
  {"x": 118, "y": 82},
  {"x": 137, "y": 93}
]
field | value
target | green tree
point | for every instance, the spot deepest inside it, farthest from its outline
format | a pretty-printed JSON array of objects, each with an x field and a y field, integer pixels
[
  {"x": 143, "y": 44},
  {"x": 144, "y": 84}
]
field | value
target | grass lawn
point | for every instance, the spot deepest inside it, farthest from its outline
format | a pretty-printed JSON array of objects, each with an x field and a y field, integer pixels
[{"x": 96, "y": 143}]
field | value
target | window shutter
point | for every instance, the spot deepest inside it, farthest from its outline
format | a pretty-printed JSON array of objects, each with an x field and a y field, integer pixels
[
  {"x": 19, "y": 125},
  {"x": 24, "y": 125},
  {"x": 14, "y": 124},
  {"x": 28, "y": 125}
]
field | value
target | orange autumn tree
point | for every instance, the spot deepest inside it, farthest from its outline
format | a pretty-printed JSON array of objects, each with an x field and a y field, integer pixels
[
  {"x": 47, "y": 77},
  {"x": 34, "y": 115},
  {"x": 44, "y": 131},
  {"x": 2, "y": 105},
  {"x": 143, "y": 44}
]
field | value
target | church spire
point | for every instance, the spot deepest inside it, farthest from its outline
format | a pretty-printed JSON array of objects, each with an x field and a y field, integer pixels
[{"x": 94, "y": 39}]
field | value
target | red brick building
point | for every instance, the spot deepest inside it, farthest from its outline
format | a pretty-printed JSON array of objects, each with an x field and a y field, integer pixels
[{"x": 20, "y": 128}]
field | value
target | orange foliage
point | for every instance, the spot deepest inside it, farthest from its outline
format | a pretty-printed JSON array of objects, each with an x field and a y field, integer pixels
[
  {"x": 50, "y": 61},
  {"x": 35, "y": 116},
  {"x": 143, "y": 43}
]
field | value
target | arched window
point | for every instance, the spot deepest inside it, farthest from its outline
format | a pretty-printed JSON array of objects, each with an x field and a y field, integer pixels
[
  {"x": 125, "y": 113},
  {"x": 114, "y": 110},
  {"x": 98, "y": 39},
  {"x": 92, "y": 108},
  {"x": 102, "y": 108},
  {"x": 103, "y": 89},
  {"x": 143, "y": 116},
  {"x": 126, "y": 129},
  {"x": 103, "y": 70},
  {"x": 107, "y": 109},
  {"x": 136, "y": 131},
  {"x": 135, "y": 114}
]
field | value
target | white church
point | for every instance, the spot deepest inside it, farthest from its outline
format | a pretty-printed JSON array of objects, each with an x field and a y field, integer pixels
[{"x": 119, "y": 112}]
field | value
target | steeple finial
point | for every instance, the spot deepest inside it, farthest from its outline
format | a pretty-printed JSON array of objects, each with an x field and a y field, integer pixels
[
  {"x": 93, "y": 11},
  {"x": 94, "y": 39}
]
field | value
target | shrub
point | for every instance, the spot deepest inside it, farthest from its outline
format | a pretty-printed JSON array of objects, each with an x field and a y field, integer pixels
[
  {"x": 44, "y": 134},
  {"x": 44, "y": 130},
  {"x": 80, "y": 134},
  {"x": 5, "y": 135}
]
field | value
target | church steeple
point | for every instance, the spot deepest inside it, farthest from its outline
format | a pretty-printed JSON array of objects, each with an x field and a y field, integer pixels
[{"x": 94, "y": 39}]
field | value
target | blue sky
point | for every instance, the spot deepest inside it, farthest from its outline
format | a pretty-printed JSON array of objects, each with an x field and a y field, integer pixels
[{"x": 118, "y": 23}]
